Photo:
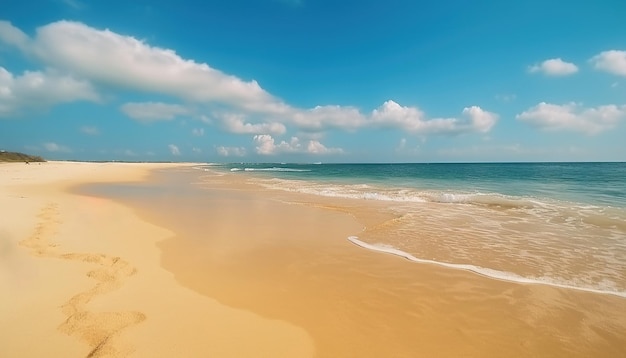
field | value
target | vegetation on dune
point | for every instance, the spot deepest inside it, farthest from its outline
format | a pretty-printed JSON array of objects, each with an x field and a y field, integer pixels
[{"x": 19, "y": 157}]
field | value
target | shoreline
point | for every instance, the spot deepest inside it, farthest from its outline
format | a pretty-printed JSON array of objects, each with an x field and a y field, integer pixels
[
  {"x": 477, "y": 270},
  {"x": 251, "y": 248}
]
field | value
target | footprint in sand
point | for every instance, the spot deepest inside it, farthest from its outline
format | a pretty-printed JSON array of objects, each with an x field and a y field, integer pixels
[{"x": 97, "y": 329}]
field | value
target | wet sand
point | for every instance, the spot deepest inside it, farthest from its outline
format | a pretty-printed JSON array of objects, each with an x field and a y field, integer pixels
[{"x": 286, "y": 257}]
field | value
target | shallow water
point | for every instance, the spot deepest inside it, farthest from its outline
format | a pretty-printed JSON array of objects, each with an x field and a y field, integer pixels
[{"x": 561, "y": 224}]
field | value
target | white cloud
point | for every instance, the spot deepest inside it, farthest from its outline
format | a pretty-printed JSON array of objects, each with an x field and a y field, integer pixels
[
  {"x": 153, "y": 111},
  {"x": 196, "y": 150},
  {"x": 12, "y": 35},
  {"x": 480, "y": 120},
  {"x": 266, "y": 145},
  {"x": 34, "y": 89},
  {"x": 89, "y": 130},
  {"x": 315, "y": 147},
  {"x": 231, "y": 151},
  {"x": 412, "y": 119},
  {"x": 321, "y": 118},
  {"x": 573, "y": 117},
  {"x": 197, "y": 132},
  {"x": 234, "y": 123},
  {"x": 104, "y": 57},
  {"x": 110, "y": 58},
  {"x": 174, "y": 149},
  {"x": 554, "y": 67},
  {"x": 57, "y": 148},
  {"x": 612, "y": 61}
]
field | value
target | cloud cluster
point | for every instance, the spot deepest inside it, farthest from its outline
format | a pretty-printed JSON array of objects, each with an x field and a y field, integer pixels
[
  {"x": 79, "y": 59},
  {"x": 266, "y": 145},
  {"x": 104, "y": 57},
  {"x": 411, "y": 119},
  {"x": 573, "y": 117}
]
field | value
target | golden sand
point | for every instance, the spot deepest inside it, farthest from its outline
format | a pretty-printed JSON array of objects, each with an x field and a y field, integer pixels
[{"x": 80, "y": 276}]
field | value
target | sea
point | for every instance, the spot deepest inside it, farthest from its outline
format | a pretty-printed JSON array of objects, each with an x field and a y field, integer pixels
[{"x": 558, "y": 224}]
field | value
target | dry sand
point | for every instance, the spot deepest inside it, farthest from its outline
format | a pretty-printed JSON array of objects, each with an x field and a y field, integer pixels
[{"x": 80, "y": 276}]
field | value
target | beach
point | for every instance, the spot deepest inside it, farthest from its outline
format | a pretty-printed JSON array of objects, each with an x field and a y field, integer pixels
[
  {"x": 80, "y": 276},
  {"x": 158, "y": 260}
]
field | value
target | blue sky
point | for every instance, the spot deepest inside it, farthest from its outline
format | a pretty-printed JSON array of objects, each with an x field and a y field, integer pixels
[{"x": 314, "y": 80}]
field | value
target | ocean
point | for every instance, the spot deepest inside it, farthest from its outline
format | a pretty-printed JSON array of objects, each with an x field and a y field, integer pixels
[{"x": 560, "y": 224}]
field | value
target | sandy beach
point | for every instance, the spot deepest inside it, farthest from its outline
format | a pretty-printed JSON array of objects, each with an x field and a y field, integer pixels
[
  {"x": 179, "y": 264},
  {"x": 81, "y": 276}
]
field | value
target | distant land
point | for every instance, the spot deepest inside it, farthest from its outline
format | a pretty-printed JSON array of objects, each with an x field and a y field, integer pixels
[{"x": 19, "y": 157}]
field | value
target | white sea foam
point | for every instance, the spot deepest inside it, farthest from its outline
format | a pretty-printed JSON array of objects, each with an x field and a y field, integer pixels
[
  {"x": 273, "y": 169},
  {"x": 401, "y": 195},
  {"x": 487, "y": 272}
]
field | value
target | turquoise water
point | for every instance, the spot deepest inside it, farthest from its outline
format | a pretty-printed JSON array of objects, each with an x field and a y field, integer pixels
[
  {"x": 601, "y": 184},
  {"x": 561, "y": 224}
]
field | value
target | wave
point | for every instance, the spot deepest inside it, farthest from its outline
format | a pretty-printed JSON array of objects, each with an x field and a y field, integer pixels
[
  {"x": 486, "y": 272},
  {"x": 403, "y": 194},
  {"x": 273, "y": 169}
]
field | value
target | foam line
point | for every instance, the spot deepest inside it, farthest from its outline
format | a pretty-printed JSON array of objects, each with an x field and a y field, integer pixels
[{"x": 486, "y": 272}]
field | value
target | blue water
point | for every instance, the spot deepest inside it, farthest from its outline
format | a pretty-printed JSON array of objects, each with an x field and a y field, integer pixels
[
  {"x": 602, "y": 184},
  {"x": 560, "y": 224}
]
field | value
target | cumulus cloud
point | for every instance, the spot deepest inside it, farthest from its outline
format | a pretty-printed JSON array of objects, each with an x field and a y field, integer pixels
[
  {"x": 174, "y": 149},
  {"x": 197, "y": 132},
  {"x": 612, "y": 61},
  {"x": 266, "y": 145},
  {"x": 153, "y": 111},
  {"x": 34, "y": 89},
  {"x": 412, "y": 119},
  {"x": 315, "y": 147},
  {"x": 56, "y": 148},
  {"x": 107, "y": 57},
  {"x": 479, "y": 120},
  {"x": 573, "y": 117},
  {"x": 234, "y": 123},
  {"x": 554, "y": 67},
  {"x": 231, "y": 151}
]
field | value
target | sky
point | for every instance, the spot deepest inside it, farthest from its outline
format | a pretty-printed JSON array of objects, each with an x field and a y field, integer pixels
[{"x": 314, "y": 80}]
